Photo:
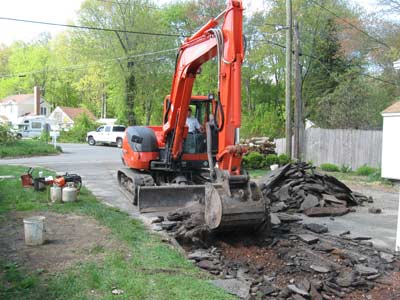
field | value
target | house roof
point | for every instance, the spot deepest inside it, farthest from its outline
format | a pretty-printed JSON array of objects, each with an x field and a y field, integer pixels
[
  {"x": 74, "y": 112},
  {"x": 20, "y": 98},
  {"x": 394, "y": 108},
  {"x": 3, "y": 119}
]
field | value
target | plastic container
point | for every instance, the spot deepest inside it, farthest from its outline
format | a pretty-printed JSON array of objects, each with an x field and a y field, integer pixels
[
  {"x": 274, "y": 167},
  {"x": 39, "y": 184},
  {"x": 69, "y": 193},
  {"x": 34, "y": 230},
  {"x": 55, "y": 194}
]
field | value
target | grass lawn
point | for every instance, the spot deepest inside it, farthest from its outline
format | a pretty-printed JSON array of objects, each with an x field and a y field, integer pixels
[
  {"x": 258, "y": 173},
  {"x": 350, "y": 177},
  {"x": 153, "y": 270},
  {"x": 353, "y": 177},
  {"x": 27, "y": 148}
]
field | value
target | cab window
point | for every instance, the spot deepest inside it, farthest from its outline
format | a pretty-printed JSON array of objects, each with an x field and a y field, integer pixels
[
  {"x": 100, "y": 129},
  {"x": 119, "y": 129}
]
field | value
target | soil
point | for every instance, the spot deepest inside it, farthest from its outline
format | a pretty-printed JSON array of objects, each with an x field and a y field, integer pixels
[
  {"x": 70, "y": 239},
  {"x": 388, "y": 291}
]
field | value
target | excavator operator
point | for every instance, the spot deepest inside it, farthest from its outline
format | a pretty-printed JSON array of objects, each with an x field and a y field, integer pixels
[{"x": 193, "y": 123}]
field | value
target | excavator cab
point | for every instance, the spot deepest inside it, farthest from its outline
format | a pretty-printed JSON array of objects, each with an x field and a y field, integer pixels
[{"x": 196, "y": 141}]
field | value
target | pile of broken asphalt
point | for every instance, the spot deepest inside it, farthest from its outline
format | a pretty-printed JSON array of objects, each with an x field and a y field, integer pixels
[
  {"x": 296, "y": 261},
  {"x": 298, "y": 187}
]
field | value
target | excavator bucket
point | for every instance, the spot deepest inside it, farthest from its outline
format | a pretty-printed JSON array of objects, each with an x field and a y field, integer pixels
[
  {"x": 168, "y": 198},
  {"x": 232, "y": 208}
]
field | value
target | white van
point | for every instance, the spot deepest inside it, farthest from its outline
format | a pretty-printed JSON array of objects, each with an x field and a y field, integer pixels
[{"x": 33, "y": 127}]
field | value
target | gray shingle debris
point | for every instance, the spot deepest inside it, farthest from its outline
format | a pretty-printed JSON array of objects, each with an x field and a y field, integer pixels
[{"x": 298, "y": 187}]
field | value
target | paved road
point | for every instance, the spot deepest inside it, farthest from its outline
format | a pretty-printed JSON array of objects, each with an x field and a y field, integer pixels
[
  {"x": 381, "y": 227},
  {"x": 97, "y": 165}
]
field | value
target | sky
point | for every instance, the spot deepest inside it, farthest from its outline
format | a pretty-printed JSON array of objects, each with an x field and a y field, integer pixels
[{"x": 64, "y": 11}]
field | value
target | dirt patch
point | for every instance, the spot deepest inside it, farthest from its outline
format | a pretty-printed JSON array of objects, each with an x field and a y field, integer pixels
[
  {"x": 388, "y": 291},
  {"x": 70, "y": 239},
  {"x": 258, "y": 256},
  {"x": 375, "y": 186}
]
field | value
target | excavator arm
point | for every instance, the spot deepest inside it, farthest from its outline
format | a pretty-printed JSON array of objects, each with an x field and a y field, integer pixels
[{"x": 227, "y": 44}]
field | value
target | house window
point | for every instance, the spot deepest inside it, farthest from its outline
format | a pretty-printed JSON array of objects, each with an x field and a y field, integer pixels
[
  {"x": 58, "y": 116},
  {"x": 43, "y": 111}
]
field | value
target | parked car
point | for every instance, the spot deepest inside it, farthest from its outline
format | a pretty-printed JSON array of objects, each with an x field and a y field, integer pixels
[
  {"x": 31, "y": 128},
  {"x": 107, "y": 134}
]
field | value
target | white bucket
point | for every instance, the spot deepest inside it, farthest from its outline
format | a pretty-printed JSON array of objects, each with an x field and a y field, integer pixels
[
  {"x": 274, "y": 167},
  {"x": 34, "y": 230}
]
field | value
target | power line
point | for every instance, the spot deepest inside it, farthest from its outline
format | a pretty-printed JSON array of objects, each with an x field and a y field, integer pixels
[
  {"x": 276, "y": 26},
  {"x": 91, "y": 27},
  {"x": 73, "y": 67},
  {"x": 127, "y": 3},
  {"x": 351, "y": 24},
  {"x": 324, "y": 66}
]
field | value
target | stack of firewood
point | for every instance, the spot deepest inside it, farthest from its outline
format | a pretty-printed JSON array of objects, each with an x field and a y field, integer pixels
[{"x": 263, "y": 145}]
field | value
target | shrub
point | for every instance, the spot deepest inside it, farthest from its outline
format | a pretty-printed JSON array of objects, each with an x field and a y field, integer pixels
[
  {"x": 43, "y": 137},
  {"x": 254, "y": 160},
  {"x": 329, "y": 167},
  {"x": 271, "y": 159},
  {"x": 283, "y": 159},
  {"x": 82, "y": 125},
  {"x": 345, "y": 169},
  {"x": 375, "y": 176},
  {"x": 6, "y": 135},
  {"x": 366, "y": 170}
]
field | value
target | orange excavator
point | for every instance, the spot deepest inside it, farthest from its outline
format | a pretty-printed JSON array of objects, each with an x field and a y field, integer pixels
[{"x": 169, "y": 166}]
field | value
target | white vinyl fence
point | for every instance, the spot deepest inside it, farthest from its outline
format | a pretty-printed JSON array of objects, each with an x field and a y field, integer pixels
[{"x": 348, "y": 147}]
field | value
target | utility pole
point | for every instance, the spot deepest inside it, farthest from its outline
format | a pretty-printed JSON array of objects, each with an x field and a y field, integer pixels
[
  {"x": 288, "y": 88},
  {"x": 298, "y": 107},
  {"x": 103, "y": 104},
  {"x": 130, "y": 94}
]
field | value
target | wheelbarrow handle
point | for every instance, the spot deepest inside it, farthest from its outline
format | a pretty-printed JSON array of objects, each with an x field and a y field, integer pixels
[{"x": 30, "y": 171}]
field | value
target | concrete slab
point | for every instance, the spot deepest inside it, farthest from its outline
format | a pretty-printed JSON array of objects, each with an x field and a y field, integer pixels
[{"x": 380, "y": 227}]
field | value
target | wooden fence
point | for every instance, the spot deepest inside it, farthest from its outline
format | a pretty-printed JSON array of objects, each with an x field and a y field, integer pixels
[{"x": 348, "y": 147}]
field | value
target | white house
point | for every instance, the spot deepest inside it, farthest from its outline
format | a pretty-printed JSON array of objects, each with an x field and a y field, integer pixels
[
  {"x": 13, "y": 107},
  {"x": 391, "y": 142},
  {"x": 64, "y": 117}
]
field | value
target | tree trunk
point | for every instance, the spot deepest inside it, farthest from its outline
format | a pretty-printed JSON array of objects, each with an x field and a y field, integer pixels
[{"x": 130, "y": 95}]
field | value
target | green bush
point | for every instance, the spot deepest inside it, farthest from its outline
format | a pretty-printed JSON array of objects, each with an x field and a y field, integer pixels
[
  {"x": 375, "y": 176},
  {"x": 77, "y": 133},
  {"x": 366, "y": 170},
  {"x": 254, "y": 160},
  {"x": 6, "y": 135},
  {"x": 329, "y": 167},
  {"x": 283, "y": 159},
  {"x": 345, "y": 169},
  {"x": 271, "y": 159}
]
